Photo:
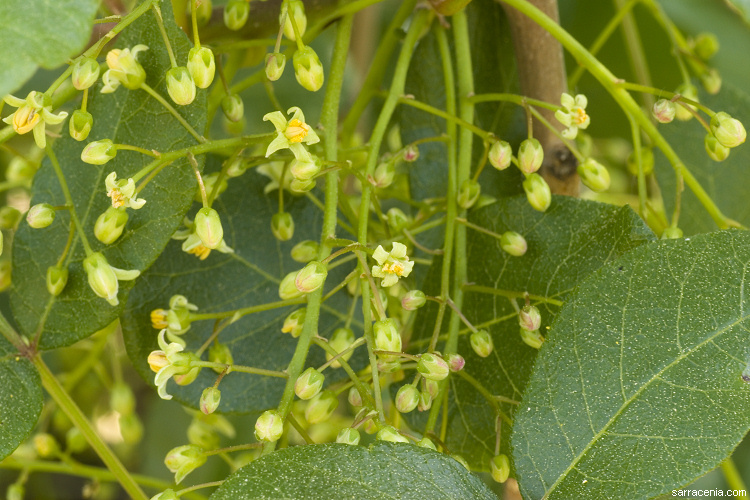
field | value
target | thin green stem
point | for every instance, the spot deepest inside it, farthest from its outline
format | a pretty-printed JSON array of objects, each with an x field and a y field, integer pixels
[
  {"x": 665, "y": 94},
  {"x": 194, "y": 19},
  {"x": 442, "y": 114},
  {"x": 128, "y": 147},
  {"x": 511, "y": 294},
  {"x": 195, "y": 487},
  {"x": 246, "y": 310},
  {"x": 297, "y": 35},
  {"x": 734, "y": 478},
  {"x": 637, "y": 148},
  {"x": 160, "y": 23},
  {"x": 173, "y": 112},
  {"x": 635, "y": 51},
  {"x": 512, "y": 98},
  {"x": 240, "y": 369}
]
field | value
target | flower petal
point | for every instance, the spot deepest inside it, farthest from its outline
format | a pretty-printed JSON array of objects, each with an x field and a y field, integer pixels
[
  {"x": 298, "y": 114},
  {"x": 380, "y": 255},
  {"x": 278, "y": 120},
  {"x": 567, "y": 101},
  {"x": 126, "y": 275},
  {"x": 40, "y": 137},
  {"x": 14, "y": 101},
  {"x": 398, "y": 251},
  {"x": 53, "y": 118},
  {"x": 280, "y": 142},
  {"x": 311, "y": 137}
]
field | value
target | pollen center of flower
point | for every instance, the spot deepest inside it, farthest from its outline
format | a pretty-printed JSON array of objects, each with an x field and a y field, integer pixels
[
  {"x": 579, "y": 116},
  {"x": 118, "y": 199},
  {"x": 200, "y": 251},
  {"x": 25, "y": 119},
  {"x": 394, "y": 268},
  {"x": 296, "y": 131},
  {"x": 159, "y": 319}
]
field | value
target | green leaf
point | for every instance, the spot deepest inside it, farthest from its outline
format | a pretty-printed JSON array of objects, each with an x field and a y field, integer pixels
[
  {"x": 726, "y": 182},
  {"x": 639, "y": 386},
  {"x": 21, "y": 393},
  {"x": 384, "y": 471},
  {"x": 566, "y": 243},
  {"x": 225, "y": 282},
  {"x": 31, "y": 36},
  {"x": 126, "y": 117}
]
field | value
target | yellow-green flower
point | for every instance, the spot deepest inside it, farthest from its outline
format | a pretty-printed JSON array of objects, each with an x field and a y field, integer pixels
[
  {"x": 574, "y": 117},
  {"x": 122, "y": 192},
  {"x": 391, "y": 265},
  {"x": 193, "y": 244},
  {"x": 167, "y": 362},
  {"x": 123, "y": 69},
  {"x": 291, "y": 134},
  {"x": 32, "y": 114}
]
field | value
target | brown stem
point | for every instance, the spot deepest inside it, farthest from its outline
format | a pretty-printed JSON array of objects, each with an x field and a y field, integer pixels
[{"x": 541, "y": 69}]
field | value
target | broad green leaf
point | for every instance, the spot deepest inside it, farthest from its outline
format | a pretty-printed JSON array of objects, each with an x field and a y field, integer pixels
[
  {"x": 126, "y": 117},
  {"x": 726, "y": 182},
  {"x": 566, "y": 243},
  {"x": 37, "y": 33},
  {"x": 21, "y": 393},
  {"x": 223, "y": 282},
  {"x": 384, "y": 471},
  {"x": 639, "y": 387}
]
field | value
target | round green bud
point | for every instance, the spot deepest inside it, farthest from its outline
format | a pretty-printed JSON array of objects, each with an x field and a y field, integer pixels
[
  {"x": 530, "y": 156},
  {"x": 500, "y": 155},
  {"x": 664, "y": 111},
  {"x": 202, "y": 66},
  {"x": 388, "y": 366},
  {"x": 210, "y": 399},
  {"x": 236, "y": 13},
  {"x": 456, "y": 362},
  {"x": 431, "y": 387},
  {"x": 15, "y": 491},
  {"x": 705, "y": 45},
  {"x": 45, "y": 445},
  {"x": 201, "y": 433},
  {"x": 387, "y": 338},
  {"x": 180, "y": 86},
  {"x": 233, "y": 107},
  {"x": 282, "y": 226},
  {"x": 426, "y": 442},
  {"x": 715, "y": 150},
  {"x": 293, "y": 9},
  {"x": 220, "y": 353},
  {"x": 689, "y": 91},
  {"x": 383, "y": 175},
  {"x": 354, "y": 397},
  {"x": 269, "y": 426},
  {"x": 237, "y": 167},
  {"x": 208, "y": 227},
  {"x": 340, "y": 340},
  {"x": 348, "y": 436},
  {"x": 413, "y": 300},
  {"x": 397, "y": 220},
  {"x": 500, "y": 468},
  {"x": 537, "y": 192},
  {"x": 711, "y": 81},
  {"x": 203, "y": 12},
  {"x": 529, "y": 318},
  {"x": 110, "y": 225},
  {"x": 183, "y": 460},
  {"x": 99, "y": 152},
  {"x": 168, "y": 494},
  {"x": 131, "y": 428},
  {"x": 9, "y": 217},
  {"x": 432, "y": 366},
  {"x": 307, "y": 69},
  {"x": 513, "y": 243},
  {"x": 311, "y": 277},
  {"x": 294, "y": 323},
  {"x": 40, "y": 215},
  {"x": 80, "y": 124},
  {"x": 594, "y": 175},
  {"x": 20, "y": 170},
  {"x": 671, "y": 233},
  {"x": 275, "y": 63},
  {"x": 468, "y": 193},
  {"x": 85, "y": 73},
  {"x": 320, "y": 408},
  {"x": 407, "y": 398},
  {"x": 728, "y": 131},
  {"x": 390, "y": 434},
  {"x": 481, "y": 343},
  {"x": 305, "y": 251},
  {"x": 75, "y": 441},
  {"x": 300, "y": 186},
  {"x": 647, "y": 161},
  {"x": 411, "y": 153},
  {"x": 288, "y": 288},
  {"x": 309, "y": 384},
  {"x": 425, "y": 401},
  {"x": 532, "y": 338},
  {"x": 304, "y": 170},
  {"x": 121, "y": 398}
]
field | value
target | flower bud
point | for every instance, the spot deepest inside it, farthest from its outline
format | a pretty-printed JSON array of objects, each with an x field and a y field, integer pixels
[
  {"x": 167, "y": 494},
  {"x": 647, "y": 161},
  {"x": 664, "y": 110},
  {"x": 294, "y": 323},
  {"x": 432, "y": 367},
  {"x": 99, "y": 152},
  {"x": 728, "y": 131},
  {"x": 348, "y": 436},
  {"x": 203, "y": 12},
  {"x": 309, "y": 384},
  {"x": 594, "y": 175},
  {"x": 288, "y": 288},
  {"x": 110, "y": 224},
  {"x": 468, "y": 193},
  {"x": 537, "y": 192},
  {"x": 716, "y": 151},
  {"x": 233, "y": 107},
  {"x": 671, "y": 233},
  {"x": 311, "y": 277},
  {"x": 180, "y": 86},
  {"x": 236, "y": 13},
  {"x": 530, "y": 156},
  {"x": 413, "y": 300},
  {"x": 321, "y": 407},
  {"x": 75, "y": 442},
  {"x": 208, "y": 227},
  {"x": 383, "y": 175},
  {"x": 307, "y": 69},
  {"x": 411, "y": 153},
  {"x": 275, "y": 63},
  {"x": 388, "y": 366},
  {"x": 397, "y": 220},
  {"x": 387, "y": 338},
  {"x": 85, "y": 73},
  {"x": 220, "y": 353},
  {"x": 282, "y": 226},
  {"x": 183, "y": 460},
  {"x": 456, "y": 362},
  {"x": 390, "y": 434},
  {"x": 202, "y": 66},
  {"x": 203, "y": 434},
  {"x": 529, "y": 318},
  {"x": 705, "y": 45},
  {"x": 131, "y": 429},
  {"x": 40, "y": 215},
  {"x": 45, "y": 445},
  {"x": 269, "y": 426},
  {"x": 9, "y": 217},
  {"x": 513, "y": 243},
  {"x": 500, "y": 155},
  {"x": 300, "y": 186},
  {"x": 295, "y": 9},
  {"x": 688, "y": 91},
  {"x": 407, "y": 398},
  {"x": 305, "y": 170},
  {"x": 431, "y": 387},
  {"x": 426, "y": 442},
  {"x": 305, "y": 251},
  {"x": 500, "y": 468},
  {"x": 532, "y": 338},
  {"x": 711, "y": 81},
  {"x": 354, "y": 397},
  {"x": 189, "y": 377},
  {"x": 121, "y": 398},
  {"x": 425, "y": 401},
  {"x": 80, "y": 124},
  {"x": 340, "y": 340},
  {"x": 20, "y": 170},
  {"x": 237, "y": 167},
  {"x": 210, "y": 399},
  {"x": 481, "y": 342}
]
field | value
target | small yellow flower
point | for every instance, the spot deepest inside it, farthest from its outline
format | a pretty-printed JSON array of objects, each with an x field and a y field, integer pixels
[
  {"x": 391, "y": 265},
  {"x": 32, "y": 114},
  {"x": 291, "y": 134},
  {"x": 169, "y": 361},
  {"x": 122, "y": 192},
  {"x": 574, "y": 115},
  {"x": 123, "y": 69},
  {"x": 193, "y": 244}
]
